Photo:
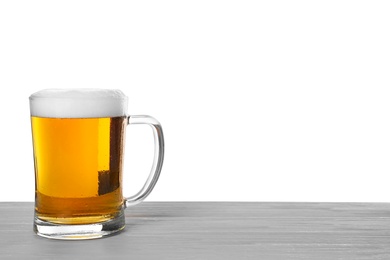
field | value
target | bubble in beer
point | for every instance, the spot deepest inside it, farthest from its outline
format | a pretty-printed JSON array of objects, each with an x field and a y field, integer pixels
[{"x": 78, "y": 103}]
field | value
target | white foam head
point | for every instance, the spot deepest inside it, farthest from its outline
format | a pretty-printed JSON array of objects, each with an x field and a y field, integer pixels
[{"x": 78, "y": 103}]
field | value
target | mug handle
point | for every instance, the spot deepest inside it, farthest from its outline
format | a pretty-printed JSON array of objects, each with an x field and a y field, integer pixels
[{"x": 157, "y": 161}]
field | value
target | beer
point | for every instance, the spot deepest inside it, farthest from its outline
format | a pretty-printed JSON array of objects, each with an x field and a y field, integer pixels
[
  {"x": 78, "y": 142},
  {"x": 78, "y": 159},
  {"x": 78, "y": 168}
]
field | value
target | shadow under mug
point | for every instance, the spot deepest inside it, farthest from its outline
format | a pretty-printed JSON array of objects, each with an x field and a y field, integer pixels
[{"x": 78, "y": 142}]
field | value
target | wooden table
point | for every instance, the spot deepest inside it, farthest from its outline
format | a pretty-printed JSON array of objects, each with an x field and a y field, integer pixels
[{"x": 215, "y": 230}]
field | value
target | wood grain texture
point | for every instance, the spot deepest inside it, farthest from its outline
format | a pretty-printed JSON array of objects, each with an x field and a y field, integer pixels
[{"x": 216, "y": 230}]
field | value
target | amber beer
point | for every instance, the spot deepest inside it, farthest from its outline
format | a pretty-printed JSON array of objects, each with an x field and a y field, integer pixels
[
  {"x": 78, "y": 140},
  {"x": 78, "y": 168}
]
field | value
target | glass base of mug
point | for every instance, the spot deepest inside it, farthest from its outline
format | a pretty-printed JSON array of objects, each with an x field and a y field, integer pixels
[{"x": 79, "y": 232}]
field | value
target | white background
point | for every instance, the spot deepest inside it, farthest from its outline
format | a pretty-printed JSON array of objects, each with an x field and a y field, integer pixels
[{"x": 259, "y": 100}]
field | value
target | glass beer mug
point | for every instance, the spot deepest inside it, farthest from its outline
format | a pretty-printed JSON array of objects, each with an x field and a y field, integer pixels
[{"x": 78, "y": 142}]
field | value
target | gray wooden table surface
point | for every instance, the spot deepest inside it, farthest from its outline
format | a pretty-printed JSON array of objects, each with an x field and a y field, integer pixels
[{"x": 215, "y": 230}]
